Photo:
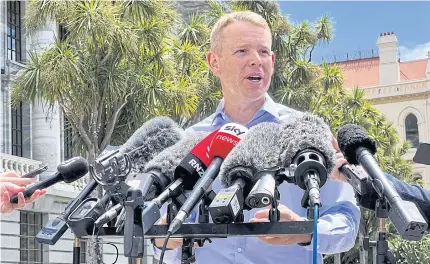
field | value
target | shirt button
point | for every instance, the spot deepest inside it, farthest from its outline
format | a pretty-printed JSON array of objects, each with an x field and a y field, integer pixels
[{"x": 239, "y": 250}]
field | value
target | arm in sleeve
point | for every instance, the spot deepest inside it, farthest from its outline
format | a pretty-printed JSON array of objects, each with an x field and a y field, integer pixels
[
  {"x": 413, "y": 193},
  {"x": 339, "y": 220}
]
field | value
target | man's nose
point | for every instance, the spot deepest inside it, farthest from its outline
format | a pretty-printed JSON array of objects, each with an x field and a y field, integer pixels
[{"x": 255, "y": 59}]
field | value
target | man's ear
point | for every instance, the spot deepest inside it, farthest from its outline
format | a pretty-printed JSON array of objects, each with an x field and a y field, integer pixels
[
  {"x": 212, "y": 60},
  {"x": 273, "y": 59}
]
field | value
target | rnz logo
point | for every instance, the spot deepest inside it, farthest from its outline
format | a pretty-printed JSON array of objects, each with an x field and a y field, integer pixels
[{"x": 197, "y": 166}]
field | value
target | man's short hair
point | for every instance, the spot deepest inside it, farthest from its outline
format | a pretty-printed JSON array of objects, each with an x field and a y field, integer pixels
[{"x": 227, "y": 19}]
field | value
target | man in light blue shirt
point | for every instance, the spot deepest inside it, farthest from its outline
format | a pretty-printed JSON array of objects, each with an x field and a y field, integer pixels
[{"x": 241, "y": 57}]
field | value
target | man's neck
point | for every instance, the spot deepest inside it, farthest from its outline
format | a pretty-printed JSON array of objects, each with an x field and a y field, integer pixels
[{"x": 242, "y": 113}]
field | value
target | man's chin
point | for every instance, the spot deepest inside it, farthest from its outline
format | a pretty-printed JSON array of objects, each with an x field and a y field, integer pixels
[{"x": 255, "y": 94}]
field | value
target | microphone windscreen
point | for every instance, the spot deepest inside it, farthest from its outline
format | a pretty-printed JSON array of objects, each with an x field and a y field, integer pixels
[
  {"x": 167, "y": 160},
  {"x": 306, "y": 131},
  {"x": 258, "y": 150},
  {"x": 350, "y": 137},
  {"x": 73, "y": 169},
  {"x": 152, "y": 137}
]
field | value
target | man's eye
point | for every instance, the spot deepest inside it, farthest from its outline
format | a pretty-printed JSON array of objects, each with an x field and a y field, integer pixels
[{"x": 241, "y": 50}]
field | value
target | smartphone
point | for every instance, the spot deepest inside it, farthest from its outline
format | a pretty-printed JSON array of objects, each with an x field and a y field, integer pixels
[
  {"x": 422, "y": 155},
  {"x": 35, "y": 172}
]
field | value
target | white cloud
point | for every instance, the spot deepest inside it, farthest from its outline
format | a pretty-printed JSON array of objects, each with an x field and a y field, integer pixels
[{"x": 418, "y": 52}]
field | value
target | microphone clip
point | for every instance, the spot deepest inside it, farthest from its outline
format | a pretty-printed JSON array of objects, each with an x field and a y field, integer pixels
[
  {"x": 133, "y": 230},
  {"x": 111, "y": 168}
]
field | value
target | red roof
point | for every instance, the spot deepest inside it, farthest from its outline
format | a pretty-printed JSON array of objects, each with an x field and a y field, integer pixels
[{"x": 365, "y": 72}]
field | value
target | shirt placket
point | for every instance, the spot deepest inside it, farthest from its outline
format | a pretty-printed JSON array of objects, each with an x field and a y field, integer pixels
[{"x": 240, "y": 245}]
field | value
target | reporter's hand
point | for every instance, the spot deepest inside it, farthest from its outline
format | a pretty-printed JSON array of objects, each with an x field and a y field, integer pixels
[
  {"x": 11, "y": 184},
  {"x": 336, "y": 175},
  {"x": 173, "y": 242}
]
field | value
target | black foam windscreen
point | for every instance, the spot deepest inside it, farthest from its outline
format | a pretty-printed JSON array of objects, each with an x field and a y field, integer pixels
[
  {"x": 350, "y": 137},
  {"x": 167, "y": 160},
  {"x": 73, "y": 169},
  {"x": 257, "y": 151},
  {"x": 151, "y": 138}
]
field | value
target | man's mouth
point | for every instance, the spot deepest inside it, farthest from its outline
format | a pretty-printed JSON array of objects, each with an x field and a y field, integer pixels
[{"x": 254, "y": 78}]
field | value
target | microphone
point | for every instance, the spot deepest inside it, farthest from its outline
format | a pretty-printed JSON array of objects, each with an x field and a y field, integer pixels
[
  {"x": 146, "y": 142},
  {"x": 263, "y": 192},
  {"x": 55, "y": 228},
  {"x": 358, "y": 148},
  {"x": 309, "y": 153},
  {"x": 165, "y": 164},
  {"x": 158, "y": 133},
  {"x": 67, "y": 171},
  {"x": 150, "y": 139},
  {"x": 244, "y": 173},
  {"x": 223, "y": 142},
  {"x": 194, "y": 164}
]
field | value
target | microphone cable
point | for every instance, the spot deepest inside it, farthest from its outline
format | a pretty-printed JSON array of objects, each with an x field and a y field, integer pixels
[
  {"x": 94, "y": 240},
  {"x": 315, "y": 235},
  {"x": 164, "y": 247}
]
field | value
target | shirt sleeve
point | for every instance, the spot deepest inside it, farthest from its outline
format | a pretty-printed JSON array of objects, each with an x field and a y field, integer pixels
[{"x": 339, "y": 219}]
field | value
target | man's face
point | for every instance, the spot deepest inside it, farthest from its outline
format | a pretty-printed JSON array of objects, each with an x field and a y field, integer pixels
[{"x": 244, "y": 63}]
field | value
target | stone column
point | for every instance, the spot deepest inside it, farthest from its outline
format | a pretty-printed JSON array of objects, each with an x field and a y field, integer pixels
[{"x": 45, "y": 125}]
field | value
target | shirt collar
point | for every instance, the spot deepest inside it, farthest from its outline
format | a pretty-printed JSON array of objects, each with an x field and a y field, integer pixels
[{"x": 269, "y": 107}]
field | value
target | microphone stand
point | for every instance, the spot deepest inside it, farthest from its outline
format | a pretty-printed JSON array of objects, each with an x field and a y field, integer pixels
[
  {"x": 188, "y": 251},
  {"x": 274, "y": 214},
  {"x": 383, "y": 252},
  {"x": 77, "y": 251}
]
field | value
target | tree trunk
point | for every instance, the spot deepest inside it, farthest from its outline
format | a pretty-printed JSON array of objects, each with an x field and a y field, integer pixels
[{"x": 363, "y": 253}]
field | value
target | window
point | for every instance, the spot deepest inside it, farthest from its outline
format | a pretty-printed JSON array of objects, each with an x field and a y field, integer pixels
[
  {"x": 68, "y": 140},
  {"x": 31, "y": 251},
  {"x": 417, "y": 177},
  {"x": 14, "y": 30},
  {"x": 16, "y": 115},
  {"x": 411, "y": 126},
  {"x": 83, "y": 254},
  {"x": 63, "y": 33}
]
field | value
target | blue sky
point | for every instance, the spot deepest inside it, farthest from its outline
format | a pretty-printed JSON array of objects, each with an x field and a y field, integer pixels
[{"x": 358, "y": 24}]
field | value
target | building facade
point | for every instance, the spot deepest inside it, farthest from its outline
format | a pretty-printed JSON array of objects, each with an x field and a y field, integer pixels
[
  {"x": 399, "y": 89},
  {"x": 29, "y": 138}
]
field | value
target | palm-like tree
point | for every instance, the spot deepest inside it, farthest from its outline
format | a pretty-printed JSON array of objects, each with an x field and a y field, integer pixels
[{"x": 119, "y": 66}]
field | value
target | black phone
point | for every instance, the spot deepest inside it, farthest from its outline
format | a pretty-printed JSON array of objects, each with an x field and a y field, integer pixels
[
  {"x": 35, "y": 172},
  {"x": 422, "y": 155}
]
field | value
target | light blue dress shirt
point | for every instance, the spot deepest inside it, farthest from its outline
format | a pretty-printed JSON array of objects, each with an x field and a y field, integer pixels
[{"x": 337, "y": 226}]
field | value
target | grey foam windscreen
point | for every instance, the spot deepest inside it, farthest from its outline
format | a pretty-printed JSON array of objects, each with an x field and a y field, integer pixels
[
  {"x": 167, "y": 160},
  {"x": 258, "y": 150},
  {"x": 153, "y": 137}
]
